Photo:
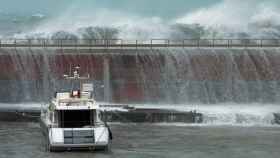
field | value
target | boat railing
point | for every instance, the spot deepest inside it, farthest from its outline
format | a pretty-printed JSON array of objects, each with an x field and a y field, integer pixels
[
  {"x": 75, "y": 100},
  {"x": 127, "y": 43}
]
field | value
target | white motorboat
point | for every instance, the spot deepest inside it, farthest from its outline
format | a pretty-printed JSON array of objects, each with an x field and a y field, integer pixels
[{"x": 73, "y": 119}]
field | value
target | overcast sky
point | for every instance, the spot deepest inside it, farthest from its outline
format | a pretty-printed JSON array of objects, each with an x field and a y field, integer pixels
[{"x": 162, "y": 8}]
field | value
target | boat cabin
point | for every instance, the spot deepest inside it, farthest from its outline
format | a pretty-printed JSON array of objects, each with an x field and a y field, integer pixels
[{"x": 74, "y": 110}]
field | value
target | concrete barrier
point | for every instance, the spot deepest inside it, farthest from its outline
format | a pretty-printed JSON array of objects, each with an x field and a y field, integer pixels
[
  {"x": 152, "y": 116},
  {"x": 130, "y": 116}
]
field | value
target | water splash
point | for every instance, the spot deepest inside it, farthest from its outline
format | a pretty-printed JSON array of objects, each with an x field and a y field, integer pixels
[
  {"x": 238, "y": 18},
  {"x": 210, "y": 22},
  {"x": 227, "y": 113},
  {"x": 180, "y": 76}
]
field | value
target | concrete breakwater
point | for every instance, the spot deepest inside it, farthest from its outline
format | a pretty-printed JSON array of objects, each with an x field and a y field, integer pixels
[
  {"x": 130, "y": 116},
  {"x": 152, "y": 116}
]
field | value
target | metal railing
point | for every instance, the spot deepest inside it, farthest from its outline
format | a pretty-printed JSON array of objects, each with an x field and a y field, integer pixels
[{"x": 153, "y": 43}]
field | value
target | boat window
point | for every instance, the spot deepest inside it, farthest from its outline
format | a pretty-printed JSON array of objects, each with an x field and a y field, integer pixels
[
  {"x": 51, "y": 116},
  {"x": 76, "y": 118}
]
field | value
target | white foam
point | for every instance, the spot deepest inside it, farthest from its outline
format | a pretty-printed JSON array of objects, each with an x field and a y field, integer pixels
[
  {"x": 228, "y": 114},
  {"x": 254, "y": 17},
  {"x": 235, "y": 15},
  {"x": 74, "y": 19},
  {"x": 38, "y": 15}
]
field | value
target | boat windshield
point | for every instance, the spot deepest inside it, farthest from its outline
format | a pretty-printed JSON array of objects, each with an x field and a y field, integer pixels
[{"x": 76, "y": 118}]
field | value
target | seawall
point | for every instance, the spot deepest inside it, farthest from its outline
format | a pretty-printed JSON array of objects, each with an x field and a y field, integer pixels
[{"x": 207, "y": 75}]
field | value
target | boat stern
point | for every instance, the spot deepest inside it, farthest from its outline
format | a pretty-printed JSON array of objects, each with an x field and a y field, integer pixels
[{"x": 70, "y": 138}]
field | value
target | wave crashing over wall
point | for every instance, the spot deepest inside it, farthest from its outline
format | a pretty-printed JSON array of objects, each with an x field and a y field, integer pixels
[
  {"x": 206, "y": 77},
  {"x": 245, "y": 21}
]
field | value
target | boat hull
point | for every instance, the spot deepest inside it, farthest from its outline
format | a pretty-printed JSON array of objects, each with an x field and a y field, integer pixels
[{"x": 76, "y": 138}]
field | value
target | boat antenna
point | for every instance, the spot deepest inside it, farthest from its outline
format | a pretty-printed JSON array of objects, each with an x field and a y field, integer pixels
[{"x": 75, "y": 75}]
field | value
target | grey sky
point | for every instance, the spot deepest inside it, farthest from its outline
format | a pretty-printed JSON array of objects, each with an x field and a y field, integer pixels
[{"x": 163, "y": 8}]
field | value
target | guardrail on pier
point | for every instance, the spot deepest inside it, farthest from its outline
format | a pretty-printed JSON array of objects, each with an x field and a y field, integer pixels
[{"x": 153, "y": 43}]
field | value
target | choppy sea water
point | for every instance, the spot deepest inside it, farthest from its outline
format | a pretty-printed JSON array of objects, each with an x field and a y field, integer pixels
[{"x": 24, "y": 140}]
